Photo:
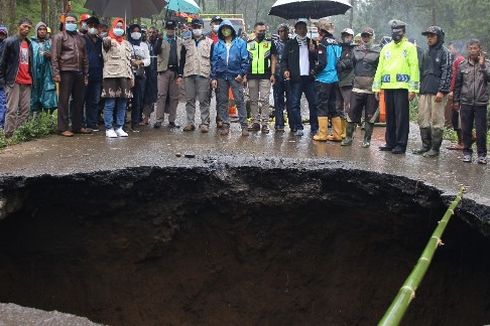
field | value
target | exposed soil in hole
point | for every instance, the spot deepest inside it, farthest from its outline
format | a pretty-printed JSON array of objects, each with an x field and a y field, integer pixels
[{"x": 244, "y": 247}]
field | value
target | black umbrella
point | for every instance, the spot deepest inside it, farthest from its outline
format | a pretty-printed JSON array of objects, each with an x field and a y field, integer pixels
[
  {"x": 290, "y": 9},
  {"x": 126, "y": 8}
]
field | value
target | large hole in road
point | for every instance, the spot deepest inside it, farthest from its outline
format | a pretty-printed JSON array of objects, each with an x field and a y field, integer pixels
[{"x": 236, "y": 246}]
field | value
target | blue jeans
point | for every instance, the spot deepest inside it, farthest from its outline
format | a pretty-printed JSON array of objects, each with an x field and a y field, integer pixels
[
  {"x": 280, "y": 90},
  {"x": 92, "y": 99},
  {"x": 119, "y": 104},
  {"x": 307, "y": 86},
  {"x": 222, "y": 100},
  {"x": 3, "y": 107}
]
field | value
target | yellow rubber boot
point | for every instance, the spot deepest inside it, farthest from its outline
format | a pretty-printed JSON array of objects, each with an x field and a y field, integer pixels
[
  {"x": 322, "y": 133},
  {"x": 344, "y": 127},
  {"x": 337, "y": 130}
]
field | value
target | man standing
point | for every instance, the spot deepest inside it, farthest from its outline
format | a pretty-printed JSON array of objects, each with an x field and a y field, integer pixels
[
  {"x": 297, "y": 66},
  {"x": 453, "y": 114},
  {"x": 326, "y": 82},
  {"x": 229, "y": 66},
  {"x": 168, "y": 49},
  {"x": 70, "y": 70},
  {"x": 16, "y": 76},
  {"x": 151, "y": 89},
  {"x": 398, "y": 75},
  {"x": 263, "y": 59},
  {"x": 96, "y": 65},
  {"x": 472, "y": 95},
  {"x": 43, "y": 95},
  {"x": 346, "y": 76},
  {"x": 435, "y": 84},
  {"x": 365, "y": 59},
  {"x": 4, "y": 32},
  {"x": 280, "y": 86},
  {"x": 196, "y": 65}
]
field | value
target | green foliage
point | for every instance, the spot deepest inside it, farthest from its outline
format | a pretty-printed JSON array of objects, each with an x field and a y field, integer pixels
[{"x": 42, "y": 125}]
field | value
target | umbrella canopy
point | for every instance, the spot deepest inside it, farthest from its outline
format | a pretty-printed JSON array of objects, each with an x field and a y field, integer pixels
[
  {"x": 125, "y": 8},
  {"x": 291, "y": 9},
  {"x": 188, "y": 6}
]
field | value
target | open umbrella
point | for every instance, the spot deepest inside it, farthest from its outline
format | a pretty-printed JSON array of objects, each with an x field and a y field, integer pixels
[
  {"x": 125, "y": 8},
  {"x": 188, "y": 6},
  {"x": 291, "y": 9}
]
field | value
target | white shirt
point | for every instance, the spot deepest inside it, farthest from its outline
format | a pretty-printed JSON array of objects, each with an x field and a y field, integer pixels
[
  {"x": 304, "y": 60},
  {"x": 143, "y": 52},
  {"x": 228, "y": 47}
]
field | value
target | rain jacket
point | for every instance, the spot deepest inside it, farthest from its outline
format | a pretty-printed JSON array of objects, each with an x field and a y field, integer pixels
[
  {"x": 43, "y": 94},
  {"x": 472, "y": 83},
  {"x": 345, "y": 66},
  {"x": 365, "y": 60},
  {"x": 435, "y": 67},
  {"x": 329, "y": 53},
  {"x": 229, "y": 66},
  {"x": 398, "y": 67}
]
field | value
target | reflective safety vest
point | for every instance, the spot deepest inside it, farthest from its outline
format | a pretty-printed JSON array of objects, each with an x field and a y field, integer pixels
[{"x": 260, "y": 54}]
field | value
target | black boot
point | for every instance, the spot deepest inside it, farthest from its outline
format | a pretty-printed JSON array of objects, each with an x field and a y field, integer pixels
[
  {"x": 368, "y": 132},
  {"x": 351, "y": 127},
  {"x": 425, "y": 135},
  {"x": 436, "y": 143}
]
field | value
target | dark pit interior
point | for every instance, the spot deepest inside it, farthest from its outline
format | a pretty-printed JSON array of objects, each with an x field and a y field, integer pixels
[{"x": 236, "y": 246}]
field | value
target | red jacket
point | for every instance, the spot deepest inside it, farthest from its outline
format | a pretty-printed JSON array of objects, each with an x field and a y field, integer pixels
[{"x": 455, "y": 68}]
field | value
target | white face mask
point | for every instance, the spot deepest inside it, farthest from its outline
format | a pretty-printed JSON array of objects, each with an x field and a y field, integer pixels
[
  {"x": 197, "y": 32},
  {"x": 216, "y": 28},
  {"x": 136, "y": 35},
  {"x": 93, "y": 31}
]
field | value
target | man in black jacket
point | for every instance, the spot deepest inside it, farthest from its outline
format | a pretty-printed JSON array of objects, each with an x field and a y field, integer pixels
[
  {"x": 297, "y": 64},
  {"x": 471, "y": 95},
  {"x": 435, "y": 84},
  {"x": 16, "y": 76}
]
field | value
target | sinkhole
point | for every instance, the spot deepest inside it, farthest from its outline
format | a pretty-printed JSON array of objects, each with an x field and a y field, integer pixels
[{"x": 236, "y": 246}]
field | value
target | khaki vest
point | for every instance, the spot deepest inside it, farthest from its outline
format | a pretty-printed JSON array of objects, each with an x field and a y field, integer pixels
[
  {"x": 198, "y": 58},
  {"x": 162, "y": 60},
  {"x": 117, "y": 61}
]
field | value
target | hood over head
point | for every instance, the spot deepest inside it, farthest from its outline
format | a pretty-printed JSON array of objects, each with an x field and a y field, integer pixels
[{"x": 228, "y": 23}]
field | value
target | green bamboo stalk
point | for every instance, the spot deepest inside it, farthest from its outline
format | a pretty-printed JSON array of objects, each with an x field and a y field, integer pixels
[{"x": 399, "y": 306}]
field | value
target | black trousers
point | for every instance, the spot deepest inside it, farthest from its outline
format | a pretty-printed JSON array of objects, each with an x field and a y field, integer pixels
[
  {"x": 478, "y": 114},
  {"x": 397, "y": 118},
  {"x": 327, "y": 99},
  {"x": 72, "y": 84},
  {"x": 360, "y": 102}
]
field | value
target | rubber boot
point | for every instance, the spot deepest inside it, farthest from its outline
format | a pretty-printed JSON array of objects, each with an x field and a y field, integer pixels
[
  {"x": 425, "y": 135},
  {"x": 337, "y": 130},
  {"x": 368, "y": 132},
  {"x": 344, "y": 127},
  {"x": 322, "y": 133},
  {"x": 436, "y": 143},
  {"x": 349, "y": 135}
]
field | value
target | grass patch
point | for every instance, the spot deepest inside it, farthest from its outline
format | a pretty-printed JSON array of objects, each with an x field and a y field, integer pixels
[{"x": 42, "y": 125}]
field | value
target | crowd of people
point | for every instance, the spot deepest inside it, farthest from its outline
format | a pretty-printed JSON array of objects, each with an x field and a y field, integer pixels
[{"x": 88, "y": 68}]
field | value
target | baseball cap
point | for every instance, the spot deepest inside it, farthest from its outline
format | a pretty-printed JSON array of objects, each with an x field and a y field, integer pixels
[
  {"x": 367, "y": 30},
  {"x": 170, "y": 24}
]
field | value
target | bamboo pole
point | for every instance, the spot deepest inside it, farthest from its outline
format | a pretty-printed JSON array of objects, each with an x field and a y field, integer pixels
[{"x": 399, "y": 306}]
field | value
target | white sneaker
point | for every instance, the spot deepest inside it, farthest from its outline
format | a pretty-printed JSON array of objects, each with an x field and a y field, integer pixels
[
  {"x": 121, "y": 133},
  {"x": 110, "y": 133}
]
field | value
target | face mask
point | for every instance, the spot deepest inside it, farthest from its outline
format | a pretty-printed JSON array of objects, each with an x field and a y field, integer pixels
[
  {"x": 197, "y": 32},
  {"x": 118, "y": 31},
  {"x": 92, "y": 31},
  {"x": 397, "y": 35},
  {"x": 71, "y": 27},
  {"x": 136, "y": 35},
  {"x": 226, "y": 32},
  {"x": 216, "y": 28},
  {"x": 260, "y": 37},
  {"x": 103, "y": 34}
]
